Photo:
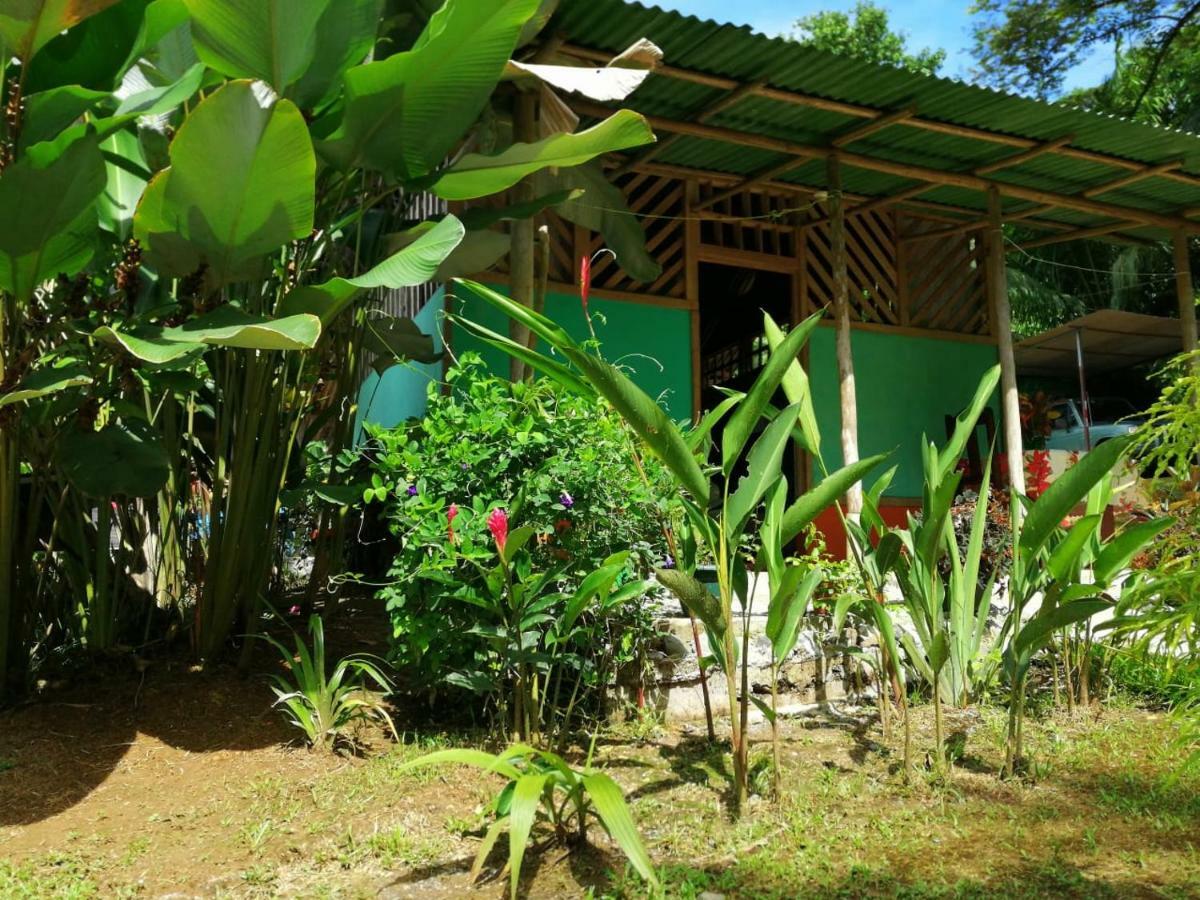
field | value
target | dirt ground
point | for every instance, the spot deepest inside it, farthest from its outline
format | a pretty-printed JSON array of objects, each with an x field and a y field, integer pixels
[{"x": 176, "y": 783}]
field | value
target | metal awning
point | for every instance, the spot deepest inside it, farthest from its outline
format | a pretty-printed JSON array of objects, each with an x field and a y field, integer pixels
[{"x": 1110, "y": 339}]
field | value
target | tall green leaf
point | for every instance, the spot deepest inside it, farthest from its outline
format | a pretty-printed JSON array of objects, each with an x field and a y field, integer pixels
[
  {"x": 271, "y": 40},
  {"x": 345, "y": 35},
  {"x": 964, "y": 425},
  {"x": 49, "y": 214},
  {"x": 1125, "y": 546},
  {"x": 121, "y": 459},
  {"x": 539, "y": 361},
  {"x": 796, "y": 388},
  {"x": 745, "y": 418},
  {"x": 810, "y": 505},
  {"x": 241, "y": 181},
  {"x": 763, "y": 464},
  {"x": 479, "y": 175},
  {"x": 526, "y": 798},
  {"x": 403, "y": 115},
  {"x": 228, "y": 326},
  {"x": 610, "y": 806},
  {"x": 1066, "y": 491}
]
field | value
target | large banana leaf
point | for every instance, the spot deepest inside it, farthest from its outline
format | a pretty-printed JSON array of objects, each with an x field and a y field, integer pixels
[
  {"x": 479, "y": 175},
  {"x": 415, "y": 264},
  {"x": 123, "y": 160},
  {"x": 43, "y": 382},
  {"x": 49, "y": 214},
  {"x": 345, "y": 35},
  {"x": 228, "y": 326},
  {"x": 403, "y": 115},
  {"x": 1066, "y": 491},
  {"x": 28, "y": 25},
  {"x": 746, "y": 416},
  {"x": 121, "y": 459},
  {"x": 49, "y": 112},
  {"x": 606, "y": 84},
  {"x": 240, "y": 185},
  {"x": 271, "y": 40}
]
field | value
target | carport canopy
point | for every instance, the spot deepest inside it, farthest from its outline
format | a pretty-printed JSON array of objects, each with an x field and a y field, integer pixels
[{"x": 1110, "y": 340}]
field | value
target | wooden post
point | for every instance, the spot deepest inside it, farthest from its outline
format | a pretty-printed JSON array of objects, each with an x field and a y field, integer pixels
[
  {"x": 691, "y": 282},
  {"x": 521, "y": 253},
  {"x": 1010, "y": 400},
  {"x": 1184, "y": 290},
  {"x": 845, "y": 356}
]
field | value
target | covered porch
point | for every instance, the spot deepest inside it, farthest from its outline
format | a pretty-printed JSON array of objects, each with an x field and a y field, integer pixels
[{"x": 788, "y": 179}]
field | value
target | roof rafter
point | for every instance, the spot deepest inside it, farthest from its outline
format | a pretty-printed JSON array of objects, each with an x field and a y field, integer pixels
[
  {"x": 1082, "y": 234},
  {"x": 869, "y": 128},
  {"x": 853, "y": 109},
  {"x": 904, "y": 170},
  {"x": 1132, "y": 178},
  {"x": 1024, "y": 156}
]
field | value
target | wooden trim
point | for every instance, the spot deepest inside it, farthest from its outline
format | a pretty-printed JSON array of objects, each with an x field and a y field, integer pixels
[
  {"x": 902, "y": 170},
  {"x": 948, "y": 231},
  {"x": 1133, "y": 178},
  {"x": 1078, "y": 235},
  {"x": 933, "y": 334},
  {"x": 766, "y": 174},
  {"x": 745, "y": 259},
  {"x": 559, "y": 287},
  {"x": 851, "y": 109},
  {"x": 872, "y": 126},
  {"x": 1032, "y": 153}
]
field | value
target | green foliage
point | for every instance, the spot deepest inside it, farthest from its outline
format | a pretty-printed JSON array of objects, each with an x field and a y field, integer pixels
[
  {"x": 865, "y": 33},
  {"x": 544, "y": 787},
  {"x": 322, "y": 704},
  {"x": 232, "y": 327},
  {"x": 560, "y": 464}
]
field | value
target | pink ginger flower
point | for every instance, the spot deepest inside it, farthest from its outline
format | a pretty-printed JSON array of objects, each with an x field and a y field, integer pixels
[
  {"x": 497, "y": 523},
  {"x": 451, "y": 514}
]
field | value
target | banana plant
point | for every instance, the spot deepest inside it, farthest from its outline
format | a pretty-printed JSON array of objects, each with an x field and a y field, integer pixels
[
  {"x": 1051, "y": 564},
  {"x": 213, "y": 204},
  {"x": 719, "y": 511}
]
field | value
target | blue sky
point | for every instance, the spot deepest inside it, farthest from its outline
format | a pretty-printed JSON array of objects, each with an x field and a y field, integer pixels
[{"x": 928, "y": 23}]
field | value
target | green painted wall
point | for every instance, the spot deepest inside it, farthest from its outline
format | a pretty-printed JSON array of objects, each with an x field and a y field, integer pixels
[
  {"x": 652, "y": 343},
  {"x": 906, "y": 386}
]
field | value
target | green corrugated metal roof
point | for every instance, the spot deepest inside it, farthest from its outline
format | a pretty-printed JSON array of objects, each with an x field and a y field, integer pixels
[{"x": 736, "y": 52}]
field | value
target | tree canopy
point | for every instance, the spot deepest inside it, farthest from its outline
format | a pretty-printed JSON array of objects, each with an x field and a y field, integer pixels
[
  {"x": 1031, "y": 45},
  {"x": 865, "y": 33}
]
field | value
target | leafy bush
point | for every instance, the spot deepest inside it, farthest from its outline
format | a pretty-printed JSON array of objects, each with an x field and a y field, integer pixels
[
  {"x": 542, "y": 784},
  {"x": 325, "y": 706},
  {"x": 560, "y": 465}
]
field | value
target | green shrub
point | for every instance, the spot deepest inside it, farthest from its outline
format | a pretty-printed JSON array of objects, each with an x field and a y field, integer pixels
[{"x": 561, "y": 465}]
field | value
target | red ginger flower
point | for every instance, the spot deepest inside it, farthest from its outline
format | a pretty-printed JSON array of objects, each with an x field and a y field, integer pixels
[
  {"x": 585, "y": 281},
  {"x": 1038, "y": 469},
  {"x": 497, "y": 523},
  {"x": 451, "y": 513}
]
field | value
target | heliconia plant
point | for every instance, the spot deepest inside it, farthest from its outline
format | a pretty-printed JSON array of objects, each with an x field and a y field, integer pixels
[{"x": 719, "y": 512}]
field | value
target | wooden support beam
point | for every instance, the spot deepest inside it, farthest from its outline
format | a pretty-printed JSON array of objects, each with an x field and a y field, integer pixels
[
  {"x": 1184, "y": 290},
  {"x": 1032, "y": 153},
  {"x": 770, "y": 173},
  {"x": 873, "y": 125},
  {"x": 796, "y": 98},
  {"x": 948, "y": 231},
  {"x": 1133, "y": 178},
  {"x": 903, "y": 170},
  {"x": 1078, "y": 235},
  {"x": 841, "y": 312},
  {"x": 1010, "y": 399},
  {"x": 734, "y": 97}
]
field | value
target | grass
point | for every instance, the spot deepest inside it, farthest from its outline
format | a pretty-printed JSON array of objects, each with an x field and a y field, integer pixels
[{"x": 1105, "y": 812}]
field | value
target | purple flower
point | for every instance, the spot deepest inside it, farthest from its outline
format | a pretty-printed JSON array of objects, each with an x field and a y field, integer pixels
[
  {"x": 566, "y": 500},
  {"x": 464, "y": 466},
  {"x": 412, "y": 490},
  {"x": 668, "y": 562}
]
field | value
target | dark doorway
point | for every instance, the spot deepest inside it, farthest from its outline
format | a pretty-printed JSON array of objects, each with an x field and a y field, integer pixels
[{"x": 732, "y": 346}]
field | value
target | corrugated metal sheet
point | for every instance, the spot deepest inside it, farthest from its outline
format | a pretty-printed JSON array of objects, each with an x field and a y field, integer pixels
[{"x": 737, "y": 53}]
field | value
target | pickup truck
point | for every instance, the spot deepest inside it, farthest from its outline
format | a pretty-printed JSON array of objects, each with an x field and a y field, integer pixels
[{"x": 1111, "y": 417}]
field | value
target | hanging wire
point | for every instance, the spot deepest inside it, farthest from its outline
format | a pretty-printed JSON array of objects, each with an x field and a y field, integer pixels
[{"x": 1062, "y": 265}]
